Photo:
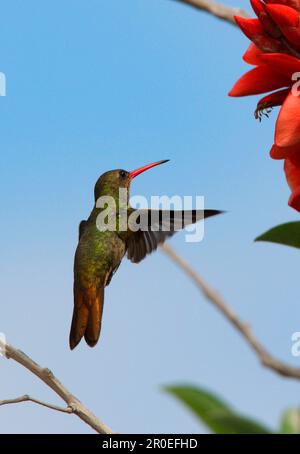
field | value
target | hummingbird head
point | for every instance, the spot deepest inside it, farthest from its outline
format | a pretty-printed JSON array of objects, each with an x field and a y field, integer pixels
[{"x": 110, "y": 182}]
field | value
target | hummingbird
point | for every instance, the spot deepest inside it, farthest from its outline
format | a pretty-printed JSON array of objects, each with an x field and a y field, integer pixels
[{"x": 100, "y": 251}]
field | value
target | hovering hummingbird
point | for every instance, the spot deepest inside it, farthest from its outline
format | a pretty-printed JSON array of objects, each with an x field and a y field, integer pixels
[{"x": 100, "y": 252}]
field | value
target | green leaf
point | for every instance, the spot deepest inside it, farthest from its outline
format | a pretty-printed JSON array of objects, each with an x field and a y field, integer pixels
[
  {"x": 214, "y": 412},
  {"x": 290, "y": 422},
  {"x": 287, "y": 234}
]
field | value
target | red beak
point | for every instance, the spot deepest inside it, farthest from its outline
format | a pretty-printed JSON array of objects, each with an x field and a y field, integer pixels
[{"x": 136, "y": 172}]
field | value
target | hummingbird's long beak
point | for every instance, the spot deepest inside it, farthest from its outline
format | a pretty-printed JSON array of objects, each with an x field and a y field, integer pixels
[{"x": 136, "y": 172}]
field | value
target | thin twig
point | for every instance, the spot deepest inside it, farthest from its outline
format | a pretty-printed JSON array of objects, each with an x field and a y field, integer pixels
[
  {"x": 218, "y": 10},
  {"x": 27, "y": 398},
  {"x": 73, "y": 404},
  {"x": 266, "y": 359}
]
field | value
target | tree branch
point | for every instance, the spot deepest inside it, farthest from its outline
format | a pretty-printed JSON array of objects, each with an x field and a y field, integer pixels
[
  {"x": 218, "y": 10},
  {"x": 266, "y": 359},
  {"x": 27, "y": 398},
  {"x": 44, "y": 374}
]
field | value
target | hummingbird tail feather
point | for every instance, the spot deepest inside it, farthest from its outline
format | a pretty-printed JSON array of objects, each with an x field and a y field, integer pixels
[
  {"x": 87, "y": 315},
  {"x": 93, "y": 327},
  {"x": 79, "y": 322}
]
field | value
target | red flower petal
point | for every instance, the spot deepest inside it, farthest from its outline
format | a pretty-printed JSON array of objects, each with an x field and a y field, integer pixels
[
  {"x": 254, "y": 30},
  {"x": 258, "y": 7},
  {"x": 292, "y": 173},
  {"x": 250, "y": 27},
  {"x": 284, "y": 16},
  {"x": 288, "y": 21},
  {"x": 274, "y": 99},
  {"x": 259, "y": 80},
  {"x": 283, "y": 153},
  {"x": 270, "y": 101},
  {"x": 268, "y": 24},
  {"x": 292, "y": 3},
  {"x": 293, "y": 36},
  {"x": 253, "y": 55},
  {"x": 282, "y": 63},
  {"x": 287, "y": 130},
  {"x": 294, "y": 200}
]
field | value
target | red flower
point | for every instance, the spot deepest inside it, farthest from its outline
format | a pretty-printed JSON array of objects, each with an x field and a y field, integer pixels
[
  {"x": 275, "y": 52},
  {"x": 275, "y": 72},
  {"x": 292, "y": 173}
]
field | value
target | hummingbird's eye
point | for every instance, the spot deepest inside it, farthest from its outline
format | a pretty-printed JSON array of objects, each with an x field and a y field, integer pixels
[{"x": 122, "y": 173}]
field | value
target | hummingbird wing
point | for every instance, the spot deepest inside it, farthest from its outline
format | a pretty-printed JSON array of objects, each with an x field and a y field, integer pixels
[{"x": 158, "y": 225}]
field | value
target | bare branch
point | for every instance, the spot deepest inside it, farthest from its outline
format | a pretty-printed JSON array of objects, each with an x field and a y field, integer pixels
[
  {"x": 44, "y": 374},
  {"x": 27, "y": 398},
  {"x": 216, "y": 9},
  {"x": 266, "y": 359}
]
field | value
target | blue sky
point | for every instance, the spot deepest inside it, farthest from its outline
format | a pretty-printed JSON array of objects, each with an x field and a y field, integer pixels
[{"x": 98, "y": 85}]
